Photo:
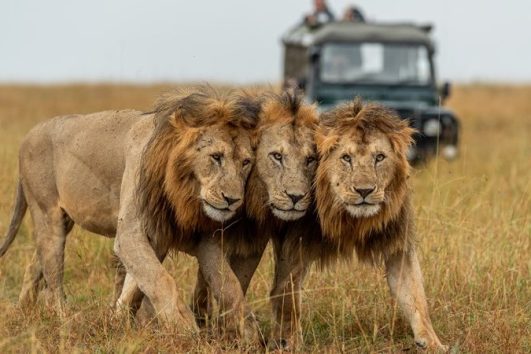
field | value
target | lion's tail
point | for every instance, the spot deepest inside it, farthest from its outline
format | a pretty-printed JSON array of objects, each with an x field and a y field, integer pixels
[{"x": 19, "y": 210}]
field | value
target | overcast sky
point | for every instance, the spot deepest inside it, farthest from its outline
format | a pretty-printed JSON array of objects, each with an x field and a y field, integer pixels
[{"x": 236, "y": 40}]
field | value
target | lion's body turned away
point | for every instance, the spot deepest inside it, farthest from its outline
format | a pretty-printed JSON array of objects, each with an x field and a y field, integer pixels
[
  {"x": 153, "y": 180},
  {"x": 67, "y": 162},
  {"x": 71, "y": 170}
]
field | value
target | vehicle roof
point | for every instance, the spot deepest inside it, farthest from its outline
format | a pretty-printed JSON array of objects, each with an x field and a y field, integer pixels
[{"x": 358, "y": 31}]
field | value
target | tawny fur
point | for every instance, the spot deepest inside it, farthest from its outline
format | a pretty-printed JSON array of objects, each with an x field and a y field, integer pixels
[
  {"x": 168, "y": 201},
  {"x": 287, "y": 124},
  {"x": 391, "y": 229},
  {"x": 362, "y": 133},
  {"x": 129, "y": 174},
  {"x": 278, "y": 110}
]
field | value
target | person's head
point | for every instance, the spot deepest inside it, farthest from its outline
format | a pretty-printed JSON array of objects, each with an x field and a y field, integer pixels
[
  {"x": 320, "y": 5},
  {"x": 353, "y": 14}
]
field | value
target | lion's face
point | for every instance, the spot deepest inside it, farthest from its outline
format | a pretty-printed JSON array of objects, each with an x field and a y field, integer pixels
[
  {"x": 286, "y": 162},
  {"x": 360, "y": 169},
  {"x": 222, "y": 162}
]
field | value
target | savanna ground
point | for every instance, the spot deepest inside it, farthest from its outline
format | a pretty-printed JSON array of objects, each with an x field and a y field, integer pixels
[{"x": 474, "y": 231}]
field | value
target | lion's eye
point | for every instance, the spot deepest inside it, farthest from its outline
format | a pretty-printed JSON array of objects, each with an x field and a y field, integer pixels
[
  {"x": 216, "y": 157},
  {"x": 380, "y": 157},
  {"x": 277, "y": 156},
  {"x": 310, "y": 159},
  {"x": 246, "y": 162},
  {"x": 346, "y": 158}
]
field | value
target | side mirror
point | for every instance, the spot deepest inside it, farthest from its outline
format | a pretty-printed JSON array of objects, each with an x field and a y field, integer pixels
[{"x": 446, "y": 89}]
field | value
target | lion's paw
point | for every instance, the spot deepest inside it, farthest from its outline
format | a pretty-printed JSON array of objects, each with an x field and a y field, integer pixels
[{"x": 431, "y": 345}]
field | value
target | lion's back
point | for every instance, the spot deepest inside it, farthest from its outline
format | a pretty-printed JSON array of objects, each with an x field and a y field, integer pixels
[{"x": 77, "y": 161}]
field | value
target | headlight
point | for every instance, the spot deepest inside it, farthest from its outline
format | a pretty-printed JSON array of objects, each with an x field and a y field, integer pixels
[
  {"x": 449, "y": 152},
  {"x": 432, "y": 127}
]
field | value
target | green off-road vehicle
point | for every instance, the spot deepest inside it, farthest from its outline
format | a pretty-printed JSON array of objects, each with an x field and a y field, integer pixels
[{"x": 388, "y": 63}]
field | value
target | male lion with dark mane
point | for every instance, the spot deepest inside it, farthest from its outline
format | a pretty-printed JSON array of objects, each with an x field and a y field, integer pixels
[
  {"x": 279, "y": 191},
  {"x": 363, "y": 201},
  {"x": 154, "y": 180}
]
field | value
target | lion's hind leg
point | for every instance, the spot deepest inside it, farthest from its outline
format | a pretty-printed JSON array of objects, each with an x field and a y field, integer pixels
[
  {"x": 405, "y": 282},
  {"x": 50, "y": 230},
  {"x": 33, "y": 283}
]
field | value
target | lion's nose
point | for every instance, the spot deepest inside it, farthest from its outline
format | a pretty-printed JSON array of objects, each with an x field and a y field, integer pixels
[
  {"x": 295, "y": 197},
  {"x": 230, "y": 200},
  {"x": 364, "y": 191}
]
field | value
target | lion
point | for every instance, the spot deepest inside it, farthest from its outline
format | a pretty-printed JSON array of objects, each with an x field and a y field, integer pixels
[
  {"x": 278, "y": 193},
  {"x": 154, "y": 180},
  {"x": 363, "y": 201}
]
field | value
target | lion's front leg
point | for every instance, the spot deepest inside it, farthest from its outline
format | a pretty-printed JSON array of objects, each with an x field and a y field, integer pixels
[
  {"x": 154, "y": 281},
  {"x": 405, "y": 281},
  {"x": 144, "y": 265},
  {"x": 130, "y": 297},
  {"x": 119, "y": 279},
  {"x": 290, "y": 271},
  {"x": 226, "y": 289},
  {"x": 201, "y": 302}
]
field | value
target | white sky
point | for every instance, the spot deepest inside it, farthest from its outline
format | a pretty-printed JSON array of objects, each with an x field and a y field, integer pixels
[{"x": 236, "y": 40}]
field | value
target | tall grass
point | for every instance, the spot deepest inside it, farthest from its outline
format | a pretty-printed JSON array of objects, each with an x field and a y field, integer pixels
[{"x": 473, "y": 222}]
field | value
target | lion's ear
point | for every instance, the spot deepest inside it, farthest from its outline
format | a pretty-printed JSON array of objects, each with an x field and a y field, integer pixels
[
  {"x": 402, "y": 138},
  {"x": 248, "y": 109},
  {"x": 191, "y": 110},
  {"x": 178, "y": 107}
]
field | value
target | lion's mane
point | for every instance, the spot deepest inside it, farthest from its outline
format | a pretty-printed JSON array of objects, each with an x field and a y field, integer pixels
[
  {"x": 168, "y": 191},
  {"x": 392, "y": 228},
  {"x": 249, "y": 236},
  {"x": 276, "y": 109}
]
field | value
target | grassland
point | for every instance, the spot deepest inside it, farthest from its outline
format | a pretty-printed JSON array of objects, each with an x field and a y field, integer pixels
[{"x": 474, "y": 240}]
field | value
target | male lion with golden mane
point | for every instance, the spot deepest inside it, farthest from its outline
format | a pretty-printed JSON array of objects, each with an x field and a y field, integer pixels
[
  {"x": 154, "y": 180},
  {"x": 279, "y": 191},
  {"x": 363, "y": 201}
]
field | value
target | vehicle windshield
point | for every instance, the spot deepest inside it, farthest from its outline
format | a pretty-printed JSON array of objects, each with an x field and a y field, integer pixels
[{"x": 375, "y": 63}]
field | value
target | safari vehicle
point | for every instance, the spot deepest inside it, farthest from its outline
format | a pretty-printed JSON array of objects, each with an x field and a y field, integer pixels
[{"x": 388, "y": 63}]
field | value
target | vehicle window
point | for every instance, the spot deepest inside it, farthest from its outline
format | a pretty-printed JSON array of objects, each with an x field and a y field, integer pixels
[{"x": 375, "y": 63}]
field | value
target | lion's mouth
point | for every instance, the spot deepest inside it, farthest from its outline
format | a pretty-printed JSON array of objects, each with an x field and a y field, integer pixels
[
  {"x": 217, "y": 214},
  {"x": 364, "y": 203},
  {"x": 287, "y": 214},
  {"x": 363, "y": 209},
  {"x": 288, "y": 210},
  {"x": 219, "y": 209}
]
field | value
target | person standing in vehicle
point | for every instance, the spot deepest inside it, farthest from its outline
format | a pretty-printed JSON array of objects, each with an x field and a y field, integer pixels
[{"x": 320, "y": 15}]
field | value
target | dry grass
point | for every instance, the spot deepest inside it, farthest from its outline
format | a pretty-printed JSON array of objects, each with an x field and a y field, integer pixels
[{"x": 474, "y": 233}]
